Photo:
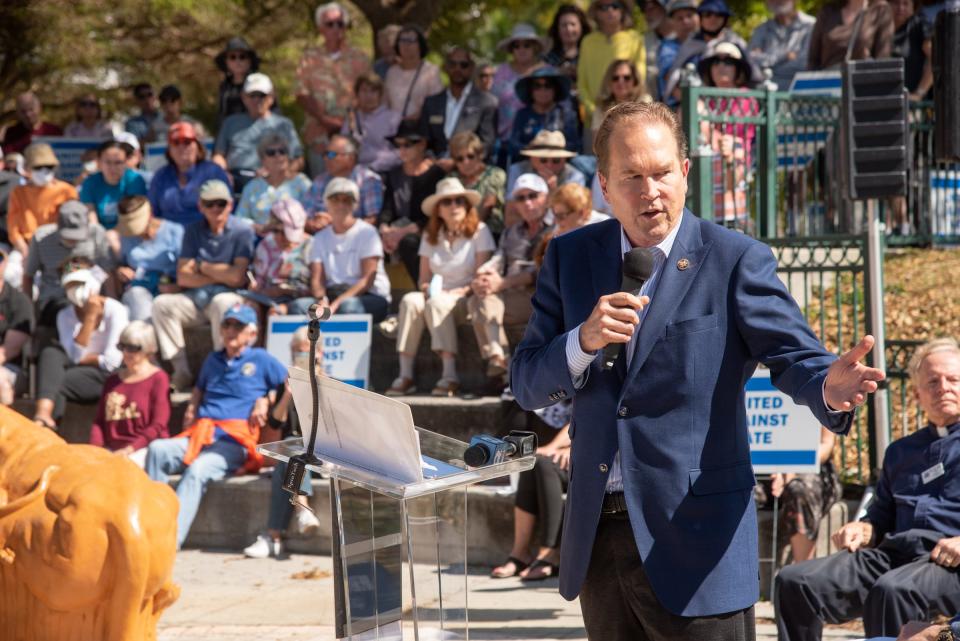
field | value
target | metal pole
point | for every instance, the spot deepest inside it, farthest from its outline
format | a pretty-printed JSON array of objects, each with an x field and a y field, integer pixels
[{"x": 875, "y": 242}]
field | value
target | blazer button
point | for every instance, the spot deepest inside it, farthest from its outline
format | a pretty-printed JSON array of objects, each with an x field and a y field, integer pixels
[
  {"x": 604, "y": 468},
  {"x": 622, "y": 411}
]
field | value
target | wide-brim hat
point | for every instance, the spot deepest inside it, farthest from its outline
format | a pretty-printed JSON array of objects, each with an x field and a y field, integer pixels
[
  {"x": 521, "y": 32},
  {"x": 39, "y": 154},
  {"x": 561, "y": 83},
  {"x": 410, "y": 130},
  {"x": 449, "y": 188},
  {"x": 237, "y": 44},
  {"x": 717, "y": 49},
  {"x": 548, "y": 144}
]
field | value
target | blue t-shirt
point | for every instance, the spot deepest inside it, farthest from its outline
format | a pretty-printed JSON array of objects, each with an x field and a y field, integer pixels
[
  {"x": 153, "y": 258},
  {"x": 236, "y": 241},
  {"x": 104, "y": 197},
  {"x": 178, "y": 203},
  {"x": 231, "y": 387}
]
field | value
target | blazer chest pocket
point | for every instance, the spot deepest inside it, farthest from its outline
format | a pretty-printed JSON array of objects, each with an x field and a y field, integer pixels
[
  {"x": 722, "y": 479},
  {"x": 691, "y": 325}
]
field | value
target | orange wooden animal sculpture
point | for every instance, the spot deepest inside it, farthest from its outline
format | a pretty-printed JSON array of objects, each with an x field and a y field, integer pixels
[{"x": 87, "y": 540}]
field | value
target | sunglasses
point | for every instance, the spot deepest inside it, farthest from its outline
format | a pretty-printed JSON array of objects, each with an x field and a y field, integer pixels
[
  {"x": 485, "y": 75},
  {"x": 87, "y": 103},
  {"x": 42, "y": 167},
  {"x": 609, "y": 6},
  {"x": 551, "y": 161},
  {"x": 274, "y": 151},
  {"x": 622, "y": 78},
  {"x": 330, "y": 155},
  {"x": 405, "y": 144},
  {"x": 237, "y": 56},
  {"x": 144, "y": 95},
  {"x": 128, "y": 347},
  {"x": 335, "y": 24},
  {"x": 465, "y": 157},
  {"x": 724, "y": 60},
  {"x": 525, "y": 197},
  {"x": 232, "y": 324},
  {"x": 256, "y": 95},
  {"x": 214, "y": 204},
  {"x": 452, "y": 201},
  {"x": 463, "y": 64},
  {"x": 543, "y": 84},
  {"x": 711, "y": 14},
  {"x": 561, "y": 214},
  {"x": 522, "y": 44}
]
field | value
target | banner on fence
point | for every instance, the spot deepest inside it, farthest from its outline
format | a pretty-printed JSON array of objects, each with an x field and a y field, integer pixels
[
  {"x": 345, "y": 340},
  {"x": 784, "y": 436}
]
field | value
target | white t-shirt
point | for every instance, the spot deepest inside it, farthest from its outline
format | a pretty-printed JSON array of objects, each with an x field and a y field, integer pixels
[
  {"x": 456, "y": 262},
  {"x": 341, "y": 255}
]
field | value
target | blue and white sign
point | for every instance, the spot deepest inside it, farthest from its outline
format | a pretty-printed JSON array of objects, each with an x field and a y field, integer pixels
[
  {"x": 784, "y": 436},
  {"x": 346, "y": 342},
  {"x": 69, "y": 152}
]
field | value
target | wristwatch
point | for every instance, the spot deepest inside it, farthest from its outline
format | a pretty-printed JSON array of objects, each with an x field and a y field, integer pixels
[{"x": 946, "y": 634}]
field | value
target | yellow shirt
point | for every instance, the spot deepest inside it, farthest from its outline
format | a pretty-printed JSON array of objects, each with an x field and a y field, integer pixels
[
  {"x": 597, "y": 51},
  {"x": 31, "y": 206}
]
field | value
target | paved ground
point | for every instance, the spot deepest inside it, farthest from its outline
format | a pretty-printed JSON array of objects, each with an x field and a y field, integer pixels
[{"x": 227, "y": 597}]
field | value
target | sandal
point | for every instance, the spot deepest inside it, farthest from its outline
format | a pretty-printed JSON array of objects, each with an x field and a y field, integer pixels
[
  {"x": 446, "y": 387},
  {"x": 546, "y": 570},
  {"x": 518, "y": 567},
  {"x": 401, "y": 387}
]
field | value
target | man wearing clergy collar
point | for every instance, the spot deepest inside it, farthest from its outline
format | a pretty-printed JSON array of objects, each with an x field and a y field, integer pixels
[{"x": 898, "y": 563}]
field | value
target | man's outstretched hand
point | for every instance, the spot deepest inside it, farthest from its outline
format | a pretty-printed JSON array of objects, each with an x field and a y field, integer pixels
[{"x": 849, "y": 381}]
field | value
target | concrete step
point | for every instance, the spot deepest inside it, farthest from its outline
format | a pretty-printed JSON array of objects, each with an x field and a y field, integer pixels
[{"x": 234, "y": 511}]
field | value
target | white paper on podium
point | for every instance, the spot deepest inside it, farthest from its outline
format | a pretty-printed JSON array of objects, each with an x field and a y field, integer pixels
[{"x": 359, "y": 427}]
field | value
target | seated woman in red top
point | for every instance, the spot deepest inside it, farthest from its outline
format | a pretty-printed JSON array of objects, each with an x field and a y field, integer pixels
[{"x": 135, "y": 406}]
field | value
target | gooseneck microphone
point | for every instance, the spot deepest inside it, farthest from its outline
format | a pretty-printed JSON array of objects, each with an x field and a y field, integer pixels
[{"x": 638, "y": 264}]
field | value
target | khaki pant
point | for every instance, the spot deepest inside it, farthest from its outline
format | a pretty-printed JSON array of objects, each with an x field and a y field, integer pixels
[
  {"x": 491, "y": 313},
  {"x": 439, "y": 315},
  {"x": 173, "y": 312}
]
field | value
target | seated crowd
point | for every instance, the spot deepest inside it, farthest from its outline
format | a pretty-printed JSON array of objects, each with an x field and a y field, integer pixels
[{"x": 445, "y": 193}]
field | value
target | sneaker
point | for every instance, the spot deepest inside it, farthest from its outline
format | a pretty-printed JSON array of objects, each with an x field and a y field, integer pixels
[
  {"x": 304, "y": 521},
  {"x": 264, "y": 547},
  {"x": 388, "y": 326}
]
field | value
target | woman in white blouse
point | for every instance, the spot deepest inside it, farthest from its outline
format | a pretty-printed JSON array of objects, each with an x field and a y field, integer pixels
[
  {"x": 89, "y": 330},
  {"x": 455, "y": 243}
]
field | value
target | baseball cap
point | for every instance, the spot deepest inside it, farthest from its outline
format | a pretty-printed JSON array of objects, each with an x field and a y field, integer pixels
[
  {"x": 128, "y": 138},
  {"x": 291, "y": 215},
  {"x": 73, "y": 220},
  {"x": 181, "y": 131},
  {"x": 533, "y": 182},
  {"x": 215, "y": 190},
  {"x": 258, "y": 82},
  {"x": 241, "y": 313},
  {"x": 340, "y": 185}
]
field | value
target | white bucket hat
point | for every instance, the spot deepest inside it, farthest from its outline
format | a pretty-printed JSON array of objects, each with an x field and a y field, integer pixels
[{"x": 448, "y": 188}]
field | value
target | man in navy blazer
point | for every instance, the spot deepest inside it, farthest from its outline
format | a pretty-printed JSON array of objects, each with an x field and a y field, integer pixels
[{"x": 660, "y": 532}]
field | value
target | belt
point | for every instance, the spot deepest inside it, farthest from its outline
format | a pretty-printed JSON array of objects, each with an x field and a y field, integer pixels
[{"x": 614, "y": 503}]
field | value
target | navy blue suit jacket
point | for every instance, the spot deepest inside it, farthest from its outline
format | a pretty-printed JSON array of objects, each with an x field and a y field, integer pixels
[{"x": 677, "y": 415}]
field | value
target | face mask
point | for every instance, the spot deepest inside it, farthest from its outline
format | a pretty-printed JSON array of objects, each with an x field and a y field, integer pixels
[
  {"x": 41, "y": 177},
  {"x": 90, "y": 166},
  {"x": 78, "y": 295}
]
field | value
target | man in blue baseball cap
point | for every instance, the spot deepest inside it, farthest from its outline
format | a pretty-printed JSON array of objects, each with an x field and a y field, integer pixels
[{"x": 222, "y": 422}]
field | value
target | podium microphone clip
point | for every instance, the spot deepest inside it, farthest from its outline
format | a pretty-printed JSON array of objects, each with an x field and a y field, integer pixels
[{"x": 297, "y": 465}]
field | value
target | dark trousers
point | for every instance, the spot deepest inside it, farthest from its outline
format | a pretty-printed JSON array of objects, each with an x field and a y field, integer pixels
[
  {"x": 619, "y": 604},
  {"x": 60, "y": 380},
  {"x": 408, "y": 249},
  {"x": 540, "y": 492},
  {"x": 888, "y": 585},
  {"x": 45, "y": 332}
]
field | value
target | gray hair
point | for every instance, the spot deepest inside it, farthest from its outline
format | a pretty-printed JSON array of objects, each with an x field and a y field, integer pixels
[
  {"x": 272, "y": 139},
  {"x": 351, "y": 144},
  {"x": 140, "y": 333},
  {"x": 925, "y": 350},
  {"x": 331, "y": 6}
]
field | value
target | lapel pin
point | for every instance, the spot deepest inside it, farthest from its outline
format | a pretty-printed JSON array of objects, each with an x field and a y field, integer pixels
[{"x": 682, "y": 264}]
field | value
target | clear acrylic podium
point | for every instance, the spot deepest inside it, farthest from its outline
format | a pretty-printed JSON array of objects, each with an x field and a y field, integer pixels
[{"x": 400, "y": 549}]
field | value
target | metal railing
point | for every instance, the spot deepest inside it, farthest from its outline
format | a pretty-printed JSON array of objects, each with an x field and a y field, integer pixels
[{"x": 764, "y": 161}]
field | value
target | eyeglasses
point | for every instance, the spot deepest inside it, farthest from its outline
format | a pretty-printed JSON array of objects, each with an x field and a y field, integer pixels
[
  {"x": 485, "y": 75},
  {"x": 42, "y": 167},
  {"x": 128, "y": 347},
  {"x": 113, "y": 163},
  {"x": 463, "y": 64},
  {"x": 622, "y": 78},
  {"x": 408, "y": 40},
  {"x": 182, "y": 142},
  {"x": 522, "y": 44},
  {"x": 542, "y": 84},
  {"x": 522, "y": 198},
  {"x": 452, "y": 201},
  {"x": 609, "y": 6},
  {"x": 335, "y": 24},
  {"x": 560, "y": 214},
  {"x": 214, "y": 204},
  {"x": 331, "y": 154},
  {"x": 275, "y": 151},
  {"x": 237, "y": 56},
  {"x": 465, "y": 157}
]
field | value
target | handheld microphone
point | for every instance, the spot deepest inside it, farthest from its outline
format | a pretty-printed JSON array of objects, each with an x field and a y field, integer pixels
[{"x": 638, "y": 264}]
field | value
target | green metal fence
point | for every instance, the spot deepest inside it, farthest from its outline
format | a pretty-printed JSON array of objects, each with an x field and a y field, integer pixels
[{"x": 765, "y": 162}]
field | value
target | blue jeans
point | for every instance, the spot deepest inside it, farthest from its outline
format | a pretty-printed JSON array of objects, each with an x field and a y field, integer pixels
[
  {"x": 215, "y": 461},
  {"x": 139, "y": 302},
  {"x": 280, "y": 508},
  {"x": 376, "y": 306}
]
